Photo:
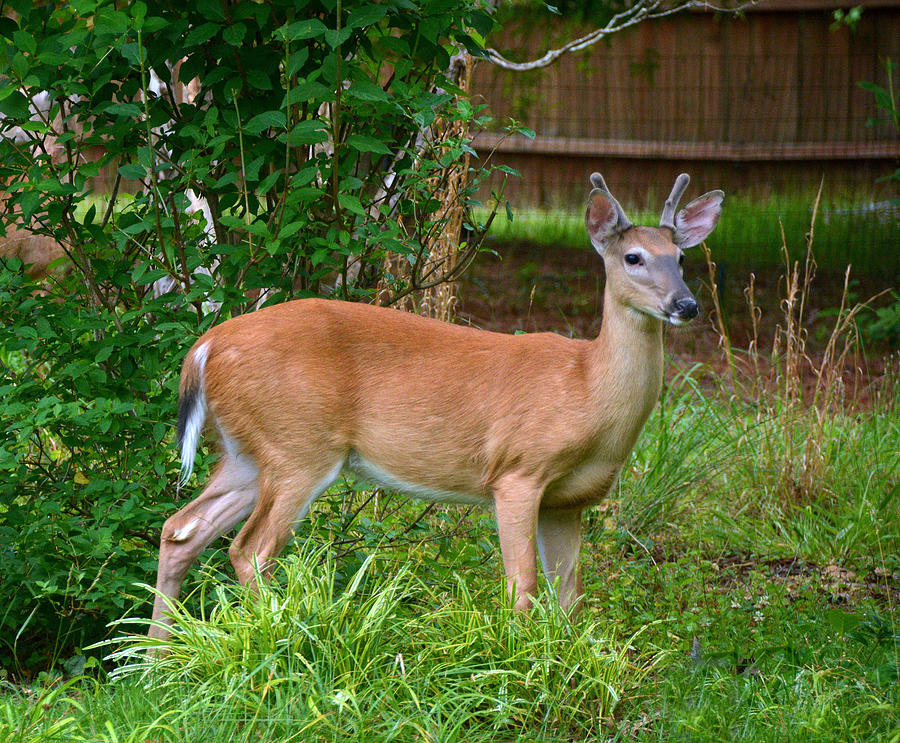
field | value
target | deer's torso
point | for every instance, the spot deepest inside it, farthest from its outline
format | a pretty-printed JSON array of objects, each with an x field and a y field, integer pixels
[{"x": 528, "y": 404}]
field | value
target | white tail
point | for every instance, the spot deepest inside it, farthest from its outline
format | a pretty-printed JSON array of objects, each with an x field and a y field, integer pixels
[{"x": 537, "y": 426}]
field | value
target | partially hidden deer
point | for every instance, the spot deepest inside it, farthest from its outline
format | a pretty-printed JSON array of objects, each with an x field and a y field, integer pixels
[
  {"x": 537, "y": 426},
  {"x": 37, "y": 251}
]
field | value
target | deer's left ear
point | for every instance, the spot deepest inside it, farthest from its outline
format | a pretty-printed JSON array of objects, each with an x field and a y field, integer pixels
[{"x": 697, "y": 220}]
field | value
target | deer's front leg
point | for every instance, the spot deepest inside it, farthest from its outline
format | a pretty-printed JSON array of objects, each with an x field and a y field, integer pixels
[{"x": 516, "y": 502}]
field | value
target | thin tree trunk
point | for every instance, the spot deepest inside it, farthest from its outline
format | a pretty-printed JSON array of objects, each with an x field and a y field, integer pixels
[{"x": 440, "y": 301}]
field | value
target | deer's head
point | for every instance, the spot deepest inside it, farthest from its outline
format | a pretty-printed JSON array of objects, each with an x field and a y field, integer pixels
[{"x": 643, "y": 264}]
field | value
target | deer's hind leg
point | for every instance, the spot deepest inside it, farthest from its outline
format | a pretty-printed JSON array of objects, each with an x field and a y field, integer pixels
[
  {"x": 559, "y": 541},
  {"x": 286, "y": 493},
  {"x": 227, "y": 499}
]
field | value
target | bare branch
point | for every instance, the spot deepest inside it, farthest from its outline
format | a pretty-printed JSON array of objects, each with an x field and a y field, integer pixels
[{"x": 641, "y": 11}]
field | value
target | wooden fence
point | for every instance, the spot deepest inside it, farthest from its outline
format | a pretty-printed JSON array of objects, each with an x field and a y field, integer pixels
[{"x": 765, "y": 101}]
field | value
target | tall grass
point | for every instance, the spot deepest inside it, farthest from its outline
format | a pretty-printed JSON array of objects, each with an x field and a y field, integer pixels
[
  {"x": 677, "y": 456},
  {"x": 775, "y": 481},
  {"x": 385, "y": 657}
]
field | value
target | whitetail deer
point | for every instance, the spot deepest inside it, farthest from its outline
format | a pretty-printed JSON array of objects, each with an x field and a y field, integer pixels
[
  {"x": 37, "y": 251},
  {"x": 536, "y": 425},
  {"x": 20, "y": 241}
]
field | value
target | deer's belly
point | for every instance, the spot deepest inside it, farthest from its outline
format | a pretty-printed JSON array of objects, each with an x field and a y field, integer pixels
[
  {"x": 410, "y": 484},
  {"x": 587, "y": 484}
]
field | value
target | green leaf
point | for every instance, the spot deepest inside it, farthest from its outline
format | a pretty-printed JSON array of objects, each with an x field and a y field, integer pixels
[
  {"x": 366, "y": 15},
  {"x": 235, "y": 34},
  {"x": 483, "y": 22},
  {"x": 352, "y": 204},
  {"x": 232, "y": 88},
  {"x": 266, "y": 120},
  {"x": 305, "y": 132},
  {"x": 257, "y": 228},
  {"x": 259, "y": 79},
  {"x": 431, "y": 29},
  {"x": 232, "y": 222},
  {"x": 201, "y": 34},
  {"x": 25, "y": 42},
  {"x": 138, "y": 13},
  {"x": 252, "y": 168},
  {"x": 871, "y": 87},
  {"x": 104, "y": 353},
  {"x": 365, "y": 143},
  {"x": 364, "y": 90},
  {"x": 20, "y": 65},
  {"x": 133, "y": 52},
  {"x": 128, "y": 110},
  {"x": 43, "y": 328},
  {"x": 266, "y": 183},
  {"x": 14, "y": 104},
  {"x": 307, "y": 91},
  {"x": 211, "y": 9},
  {"x": 296, "y": 61},
  {"x": 29, "y": 203},
  {"x": 132, "y": 171},
  {"x": 154, "y": 24},
  {"x": 110, "y": 21},
  {"x": 335, "y": 38},
  {"x": 310, "y": 28}
]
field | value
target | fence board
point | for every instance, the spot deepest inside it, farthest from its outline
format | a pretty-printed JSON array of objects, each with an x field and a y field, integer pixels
[
  {"x": 812, "y": 108},
  {"x": 698, "y": 88}
]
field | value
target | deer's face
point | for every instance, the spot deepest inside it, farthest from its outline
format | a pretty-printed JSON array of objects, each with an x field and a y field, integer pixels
[
  {"x": 643, "y": 264},
  {"x": 643, "y": 268}
]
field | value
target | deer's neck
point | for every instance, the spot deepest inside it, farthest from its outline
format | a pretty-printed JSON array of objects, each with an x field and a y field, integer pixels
[{"x": 626, "y": 370}]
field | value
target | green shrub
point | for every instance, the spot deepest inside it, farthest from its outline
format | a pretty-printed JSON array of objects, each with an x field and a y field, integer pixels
[
  {"x": 85, "y": 459},
  {"x": 881, "y": 325},
  {"x": 321, "y": 142}
]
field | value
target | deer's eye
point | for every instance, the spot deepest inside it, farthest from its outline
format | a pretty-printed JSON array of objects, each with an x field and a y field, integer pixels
[{"x": 633, "y": 259}]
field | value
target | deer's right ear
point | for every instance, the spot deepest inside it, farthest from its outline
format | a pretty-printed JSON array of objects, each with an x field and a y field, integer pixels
[{"x": 601, "y": 219}]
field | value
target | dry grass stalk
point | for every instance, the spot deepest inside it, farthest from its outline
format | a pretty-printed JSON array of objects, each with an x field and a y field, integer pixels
[
  {"x": 798, "y": 421},
  {"x": 753, "y": 348},
  {"x": 718, "y": 318}
]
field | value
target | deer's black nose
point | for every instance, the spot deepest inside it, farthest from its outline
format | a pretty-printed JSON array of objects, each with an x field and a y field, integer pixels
[{"x": 686, "y": 307}]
